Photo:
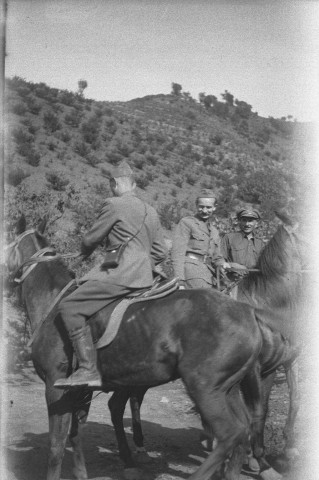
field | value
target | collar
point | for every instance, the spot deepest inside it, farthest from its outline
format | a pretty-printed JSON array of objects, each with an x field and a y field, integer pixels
[
  {"x": 250, "y": 236},
  {"x": 130, "y": 193}
]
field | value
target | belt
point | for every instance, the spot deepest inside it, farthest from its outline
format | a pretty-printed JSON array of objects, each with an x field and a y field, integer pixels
[{"x": 198, "y": 256}]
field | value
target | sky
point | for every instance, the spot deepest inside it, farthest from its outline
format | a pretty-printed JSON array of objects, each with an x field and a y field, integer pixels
[{"x": 264, "y": 52}]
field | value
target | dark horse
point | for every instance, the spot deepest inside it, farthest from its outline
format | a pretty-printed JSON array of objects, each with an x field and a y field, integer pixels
[
  {"x": 214, "y": 344},
  {"x": 279, "y": 284}
]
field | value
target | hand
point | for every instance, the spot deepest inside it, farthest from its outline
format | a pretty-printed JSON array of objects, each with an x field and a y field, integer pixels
[{"x": 225, "y": 266}]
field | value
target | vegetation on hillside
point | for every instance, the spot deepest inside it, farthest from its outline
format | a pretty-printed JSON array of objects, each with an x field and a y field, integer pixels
[{"x": 60, "y": 146}]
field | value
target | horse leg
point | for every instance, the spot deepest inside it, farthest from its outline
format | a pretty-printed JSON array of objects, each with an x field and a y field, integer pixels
[
  {"x": 117, "y": 405},
  {"x": 79, "y": 468},
  {"x": 59, "y": 422},
  {"x": 136, "y": 399},
  {"x": 239, "y": 408},
  {"x": 79, "y": 417},
  {"x": 266, "y": 471},
  {"x": 217, "y": 412},
  {"x": 291, "y": 452}
]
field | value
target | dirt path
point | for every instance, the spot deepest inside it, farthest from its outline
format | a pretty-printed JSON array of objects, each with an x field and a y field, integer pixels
[{"x": 171, "y": 431}]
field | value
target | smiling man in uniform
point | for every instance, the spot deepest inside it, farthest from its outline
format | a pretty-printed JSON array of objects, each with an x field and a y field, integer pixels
[
  {"x": 243, "y": 247},
  {"x": 196, "y": 245}
]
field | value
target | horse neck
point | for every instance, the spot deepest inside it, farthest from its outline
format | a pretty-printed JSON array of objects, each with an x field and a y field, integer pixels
[
  {"x": 40, "y": 289},
  {"x": 277, "y": 284}
]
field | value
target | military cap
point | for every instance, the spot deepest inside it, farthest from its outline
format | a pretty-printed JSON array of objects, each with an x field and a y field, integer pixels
[
  {"x": 246, "y": 212},
  {"x": 121, "y": 170},
  {"x": 206, "y": 193}
]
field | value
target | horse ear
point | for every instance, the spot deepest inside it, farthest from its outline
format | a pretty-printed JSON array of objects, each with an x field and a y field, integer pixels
[
  {"x": 21, "y": 224},
  {"x": 42, "y": 224}
]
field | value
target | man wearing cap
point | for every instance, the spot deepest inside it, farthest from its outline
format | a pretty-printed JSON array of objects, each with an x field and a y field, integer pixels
[
  {"x": 121, "y": 217},
  {"x": 243, "y": 247},
  {"x": 196, "y": 245}
]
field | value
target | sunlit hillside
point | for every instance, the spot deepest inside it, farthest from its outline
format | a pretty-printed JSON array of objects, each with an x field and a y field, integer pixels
[{"x": 60, "y": 147}]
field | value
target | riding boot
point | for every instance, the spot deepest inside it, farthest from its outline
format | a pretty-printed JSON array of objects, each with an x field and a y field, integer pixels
[{"x": 86, "y": 375}]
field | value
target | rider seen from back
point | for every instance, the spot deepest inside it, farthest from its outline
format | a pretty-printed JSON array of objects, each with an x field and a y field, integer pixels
[{"x": 134, "y": 243}]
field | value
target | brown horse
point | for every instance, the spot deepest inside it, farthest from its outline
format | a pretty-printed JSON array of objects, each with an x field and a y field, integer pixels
[{"x": 213, "y": 343}]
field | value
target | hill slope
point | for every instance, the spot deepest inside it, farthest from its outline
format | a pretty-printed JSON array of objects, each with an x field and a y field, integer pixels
[{"x": 59, "y": 146}]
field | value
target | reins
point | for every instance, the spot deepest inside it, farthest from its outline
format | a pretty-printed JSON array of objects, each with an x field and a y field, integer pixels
[{"x": 42, "y": 255}]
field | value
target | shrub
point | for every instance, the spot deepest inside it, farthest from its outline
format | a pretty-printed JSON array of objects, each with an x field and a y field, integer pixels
[
  {"x": 56, "y": 182},
  {"x": 152, "y": 159},
  {"x": 66, "y": 97},
  {"x": 142, "y": 181},
  {"x": 73, "y": 118},
  {"x": 102, "y": 189},
  {"x": 191, "y": 179},
  {"x": 21, "y": 136},
  {"x": 51, "y": 122},
  {"x": 33, "y": 105},
  {"x": 169, "y": 214},
  {"x": 138, "y": 160},
  {"x": 81, "y": 148},
  {"x": 167, "y": 171},
  {"x": 90, "y": 130},
  {"x": 31, "y": 156},
  {"x": 63, "y": 135},
  {"x": 19, "y": 108},
  {"x": 16, "y": 176},
  {"x": 92, "y": 160}
]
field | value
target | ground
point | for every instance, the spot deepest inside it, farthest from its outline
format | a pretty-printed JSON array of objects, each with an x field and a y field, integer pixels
[{"x": 171, "y": 429}]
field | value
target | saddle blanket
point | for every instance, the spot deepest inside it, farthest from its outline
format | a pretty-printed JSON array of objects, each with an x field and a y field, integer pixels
[{"x": 113, "y": 323}]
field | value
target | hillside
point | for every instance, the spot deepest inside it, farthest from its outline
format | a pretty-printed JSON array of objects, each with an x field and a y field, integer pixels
[{"x": 60, "y": 146}]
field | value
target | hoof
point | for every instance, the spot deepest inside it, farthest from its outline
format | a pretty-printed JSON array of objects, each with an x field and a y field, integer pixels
[
  {"x": 270, "y": 474},
  {"x": 207, "y": 444},
  {"x": 142, "y": 457},
  {"x": 79, "y": 474},
  {"x": 253, "y": 464},
  {"x": 132, "y": 473},
  {"x": 292, "y": 453}
]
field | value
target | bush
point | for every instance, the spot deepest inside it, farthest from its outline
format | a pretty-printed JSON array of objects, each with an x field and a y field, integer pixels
[
  {"x": 21, "y": 136},
  {"x": 90, "y": 130},
  {"x": 102, "y": 189},
  {"x": 51, "y": 122},
  {"x": 191, "y": 179},
  {"x": 169, "y": 214},
  {"x": 56, "y": 182},
  {"x": 19, "y": 108},
  {"x": 81, "y": 148},
  {"x": 92, "y": 160},
  {"x": 73, "y": 118},
  {"x": 33, "y": 105},
  {"x": 31, "y": 156},
  {"x": 142, "y": 181},
  {"x": 15, "y": 177}
]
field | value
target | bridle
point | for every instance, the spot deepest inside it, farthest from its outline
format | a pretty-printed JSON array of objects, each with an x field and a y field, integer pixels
[{"x": 45, "y": 254}]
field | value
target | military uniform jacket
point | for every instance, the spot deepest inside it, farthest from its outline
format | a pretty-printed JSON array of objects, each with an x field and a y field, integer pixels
[
  {"x": 236, "y": 247},
  {"x": 120, "y": 218},
  {"x": 193, "y": 235}
]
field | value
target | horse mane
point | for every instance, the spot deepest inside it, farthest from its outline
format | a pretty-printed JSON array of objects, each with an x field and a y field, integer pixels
[
  {"x": 58, "y": 269},
  {"x": 270, "y": 282}
]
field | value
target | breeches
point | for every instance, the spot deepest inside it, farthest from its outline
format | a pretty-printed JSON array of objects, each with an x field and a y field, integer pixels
[
  {"x": 88, "y": 299},
  {"x": 198, "y": 275}
]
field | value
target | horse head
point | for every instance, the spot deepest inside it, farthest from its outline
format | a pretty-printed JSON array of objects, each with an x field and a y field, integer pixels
[{"x": 25, "y": 245}]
